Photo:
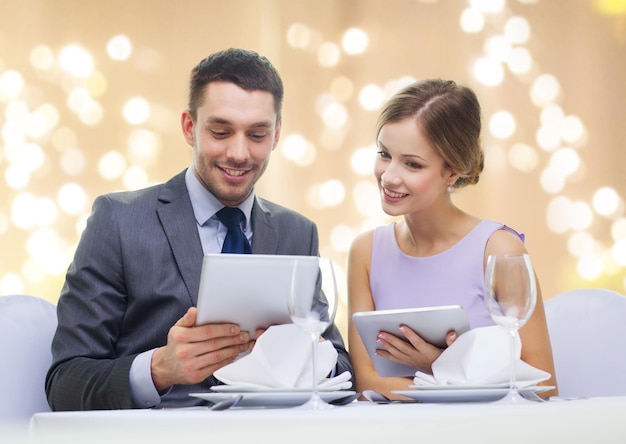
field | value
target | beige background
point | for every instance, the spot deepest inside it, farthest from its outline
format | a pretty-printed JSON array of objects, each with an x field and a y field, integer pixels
[{"x": 582, "y": 47}]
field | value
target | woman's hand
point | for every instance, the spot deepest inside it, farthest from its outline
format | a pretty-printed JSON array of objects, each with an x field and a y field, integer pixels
[{"x": 416, "y": 353}]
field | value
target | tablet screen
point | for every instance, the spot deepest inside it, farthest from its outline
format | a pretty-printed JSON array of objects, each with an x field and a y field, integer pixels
[{"x": 250, "y": 289}]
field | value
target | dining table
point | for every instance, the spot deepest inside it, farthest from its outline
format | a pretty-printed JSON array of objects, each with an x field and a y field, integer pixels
[{"x": 588, "y": 420}]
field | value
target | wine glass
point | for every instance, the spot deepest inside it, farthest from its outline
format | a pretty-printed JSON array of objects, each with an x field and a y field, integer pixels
[
  {"x": 312, "y": 305},
  {"x": 510, "y": 297}
]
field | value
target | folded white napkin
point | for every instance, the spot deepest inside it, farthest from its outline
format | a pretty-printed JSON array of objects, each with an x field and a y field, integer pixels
[
  {"x": 281, "y": 358},
  {"x": 480, "y": 357}
]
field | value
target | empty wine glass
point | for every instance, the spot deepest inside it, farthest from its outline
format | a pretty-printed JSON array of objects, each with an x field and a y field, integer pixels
[
  {"x": 510, "y": 297},
  {"x": 312, "y": 307}
]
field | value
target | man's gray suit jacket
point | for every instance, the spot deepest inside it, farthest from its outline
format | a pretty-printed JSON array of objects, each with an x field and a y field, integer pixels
[{"x": 135, "y": 272}]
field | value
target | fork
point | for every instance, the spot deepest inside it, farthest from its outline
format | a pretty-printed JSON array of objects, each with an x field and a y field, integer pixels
[
  {"x": 530, "y": 395},
  {"x": 345, "y": 400},
  {"x": 227, "y": 403},
  {"x": 379, "y": 398}
]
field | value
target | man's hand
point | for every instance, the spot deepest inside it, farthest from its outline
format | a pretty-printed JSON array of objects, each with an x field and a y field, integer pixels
[{"x": 193, "y": 353}]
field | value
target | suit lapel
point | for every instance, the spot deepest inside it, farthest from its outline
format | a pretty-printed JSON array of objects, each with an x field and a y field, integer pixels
[
  {"x": 265, "y": 236},
  {"x": 176, "y": 215}
]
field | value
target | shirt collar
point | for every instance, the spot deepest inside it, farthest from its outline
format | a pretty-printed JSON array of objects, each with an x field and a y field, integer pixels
[{"x": 205, "y": 204}]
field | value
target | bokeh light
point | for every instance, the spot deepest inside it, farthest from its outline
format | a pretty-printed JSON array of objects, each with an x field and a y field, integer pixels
[
  {"x": 355, "y": 41},
  {"x": 564, "y": 161},
  {"x": 299, "y": 36},
  {"x": 112, "y": 165},
  {"x": 489, "y": 71},
  {"x": 328, "y": 54},
  {"x": 523, "y": 157},
  {"x": 606, "y": 201},
  {"x": 517, "y": 30},
  {"x": 335, "y": 115},
  {"x": 330, "y": 193},
  {"x": 76, "y": 61},
  {"x": 489, "y": 6},
  {"x": 362, "y": 161},
  {"x": 472, "y": 20},
  {"x": 545, "y": 90},
  {"x": 371, "y": 97},
  {"x": 72, "y": 199},
  {"x": 136, "y": 110},
  {"x": 520, "y": 61},
  {"x": 119, "y": 47},
  {"x": 42, "y": 58},
  {"x": 298, "y": 150},
  {"x": 502, "y": 124},
  {"x": 11, "y": 83}
]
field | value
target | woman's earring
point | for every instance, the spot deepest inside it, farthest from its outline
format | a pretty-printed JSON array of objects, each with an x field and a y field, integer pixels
[{"x": 450, "y": 189}]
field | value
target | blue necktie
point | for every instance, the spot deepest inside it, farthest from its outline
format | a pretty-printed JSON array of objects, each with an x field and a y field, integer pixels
[{"x": 235, "y": 241}]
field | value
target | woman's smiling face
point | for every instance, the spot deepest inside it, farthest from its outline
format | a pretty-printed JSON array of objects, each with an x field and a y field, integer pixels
[{"x": 411, "y": 175}]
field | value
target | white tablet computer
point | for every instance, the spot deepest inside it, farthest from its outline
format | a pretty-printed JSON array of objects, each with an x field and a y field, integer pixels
[
  {"x": 250, "y": 289},
  {"x": 431, "y": 323}
]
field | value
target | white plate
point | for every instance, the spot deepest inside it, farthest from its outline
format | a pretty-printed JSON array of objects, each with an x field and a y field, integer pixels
[
  {"x": 459, "y": 387},
  {"x": 449, "y": 394},
  {"x": 534, "y": 388},
  {"x": 461, "y": 395},
  {"x": 247, "y": 389},
  {"x": 272, "y": 398}
]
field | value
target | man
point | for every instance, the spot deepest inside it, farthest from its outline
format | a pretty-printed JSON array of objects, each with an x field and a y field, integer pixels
[{"x": 127, "y": 336}]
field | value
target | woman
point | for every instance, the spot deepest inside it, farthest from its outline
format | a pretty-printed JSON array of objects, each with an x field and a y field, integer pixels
[{"x": 428, "y": 139}]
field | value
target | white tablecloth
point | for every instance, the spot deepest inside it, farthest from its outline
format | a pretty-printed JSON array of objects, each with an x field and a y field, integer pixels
[{"x": 598, "y": 420}]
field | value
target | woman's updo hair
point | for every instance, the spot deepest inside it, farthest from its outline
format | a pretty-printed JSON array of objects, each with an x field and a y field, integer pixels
[{"x": 449, "y": 116}]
